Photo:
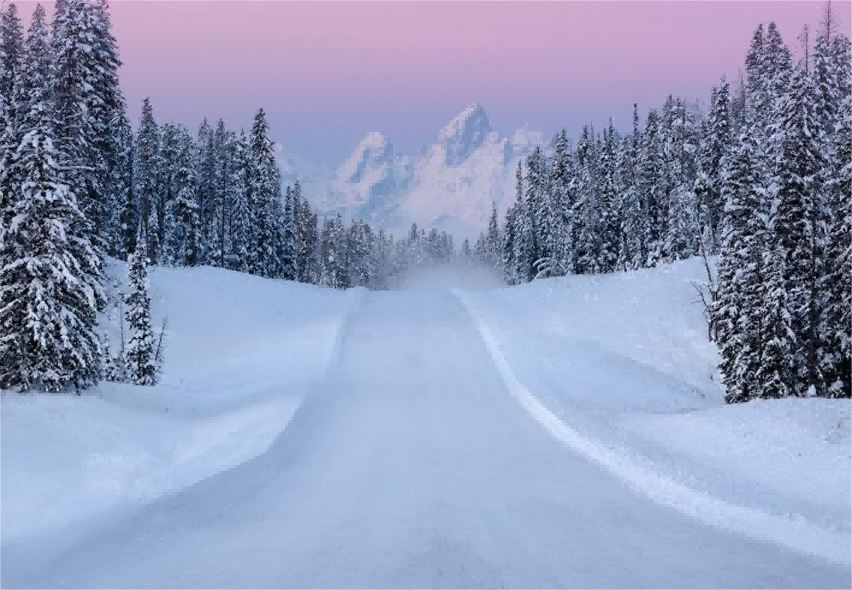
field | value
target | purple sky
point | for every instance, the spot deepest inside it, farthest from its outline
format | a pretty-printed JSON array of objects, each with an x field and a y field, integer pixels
[{"x": 328, "y": 73}]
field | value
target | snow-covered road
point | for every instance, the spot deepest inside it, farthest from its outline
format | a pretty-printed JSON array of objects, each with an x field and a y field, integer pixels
[{"x": 411, "y": 465}]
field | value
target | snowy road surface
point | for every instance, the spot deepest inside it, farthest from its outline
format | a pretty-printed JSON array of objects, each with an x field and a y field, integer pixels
[{"x": 410, "y": 466}]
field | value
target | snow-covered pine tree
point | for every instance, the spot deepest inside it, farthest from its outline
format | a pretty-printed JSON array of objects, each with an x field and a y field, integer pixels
[
  {"x": 493, "y": 248},
  {"x": 111, "y": 370},
  {"x": 305, "y": 238},
  {"x": 84, "y": 90},
  {"x": 108, "y": 110},
  {"x": 681, "y": 235},
  {"x": 182, "y": 239},
  {"x": 524, "y": 239},
  {"x": 221, "y": 210},
  {"x": 50, "y": 279},
  {"x": 635, "y": 222},
  {"x": 739, "y": 309},
  {"x": 561, "y": 181},
  {"x": 262, "y": 192},
  {"x": 795, "y": 227},
  {"x": 584, "y": 216},
  {"x": 289, "y": 270},
  {"x": 715, "y": 151},
  {"x": 122, "y": 215},
  {"x": 11, "y": 59},
  {"x": 11, "y": 127},
  {"x": 315, "y": 262},
  {"x": 338, "y": 255},
  {"x": 139, "y": 356},
  {"x": 652, "y": 185},
  {"x": 774, "y": 378},
  {"x": 510, "y": 269},
  {"x": 147, "y": 172},
  {"x": 836, "y": 283},
  {"x": 170, "y": 162},
  {"x": 205, "y": 160},
  {"x": 242, "y": 230},
  {"x": 609, "y": 214}
]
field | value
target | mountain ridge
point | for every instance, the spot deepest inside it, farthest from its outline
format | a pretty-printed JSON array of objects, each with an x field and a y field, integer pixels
[{"x": 449, "y": 184}]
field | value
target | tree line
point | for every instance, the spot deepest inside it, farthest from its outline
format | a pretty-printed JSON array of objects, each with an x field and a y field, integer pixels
[
  {"x": 79, "y": 184},
  {"x": 762, "y": 180}
]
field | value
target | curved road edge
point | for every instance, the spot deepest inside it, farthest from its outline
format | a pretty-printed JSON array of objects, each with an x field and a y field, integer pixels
[{"x": 792, "y": 532}]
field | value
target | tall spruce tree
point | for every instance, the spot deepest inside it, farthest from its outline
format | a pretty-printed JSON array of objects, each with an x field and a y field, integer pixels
[
  {"x": 139, "y": 356},
  {"x": 836, "y": 284},
  {"x": 738, "y": 312},
  {"x": 262, "y": 192},
  {"x": 795, "y": 224},
  {"x": 50, "y": 277},
  {"x": 147, "y": 170},
  {"x": 242, "y": 229}
]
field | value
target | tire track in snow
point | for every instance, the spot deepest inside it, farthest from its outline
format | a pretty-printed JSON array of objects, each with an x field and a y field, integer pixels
[{"x": 791, "y": 531}]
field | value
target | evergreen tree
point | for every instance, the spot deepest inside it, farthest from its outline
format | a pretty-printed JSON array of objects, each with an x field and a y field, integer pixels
[
  {"x": 493, "y": 239},
  {"x": 87, "y": 101},
  {"x": 738, "y": 312},
  {"x": 223, "y": 181},
  {"x": 795, "y": 224},
  {"x": 108, "y": 110},
  {"x": 584, "y": 216},
  {"x": 305, "y": 236},
  {"x": 139, "y": 356},
  {"x": 50, "y": 277},
  {"x": 11, "y": 126},
  {"x": 183, "y": 247},
  {"x": 775, "y": 372},
  {"x": 242, "y": 231},
  {"x": 836, "y": 284},
  {"x": 715, "y": 151},
  {"x": 262, "y": 193},
  {"x": 635, "y": 222},
  {"x": 147, "y": 171},
  {"x": 524, "y": 238},
  {"x": 609, "y": 214},
  {"x": 288, "y": 258},
  {"x": 652, "y": 186},
  {"x": 561, "y": 181},
  {"x": 510, "y": 269}
]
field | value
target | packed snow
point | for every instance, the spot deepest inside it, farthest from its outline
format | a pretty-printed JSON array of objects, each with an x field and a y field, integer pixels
[{"x": 566, "y": 433}]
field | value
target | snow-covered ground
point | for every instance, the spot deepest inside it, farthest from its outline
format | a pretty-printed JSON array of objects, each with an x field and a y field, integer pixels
[
  {"x": 566, "y": 433},
  {"x": 241, "y": 353},
  {"x": 624, "y": 361}
]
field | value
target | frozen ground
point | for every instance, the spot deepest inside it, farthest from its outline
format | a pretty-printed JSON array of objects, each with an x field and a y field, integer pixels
[{"x": 568, "y": 433}]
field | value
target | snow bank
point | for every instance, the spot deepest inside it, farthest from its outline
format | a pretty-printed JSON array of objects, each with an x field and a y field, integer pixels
[
  {"x": 241, "y": 354},
  {"x": 619, "y": 368}
]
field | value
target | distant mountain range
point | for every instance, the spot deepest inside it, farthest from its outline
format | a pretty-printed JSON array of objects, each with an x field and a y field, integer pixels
[{"x": 450, "y": 184}]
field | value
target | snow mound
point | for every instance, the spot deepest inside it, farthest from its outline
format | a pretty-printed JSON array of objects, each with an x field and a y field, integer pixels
[{"x": 241, "y": 354}]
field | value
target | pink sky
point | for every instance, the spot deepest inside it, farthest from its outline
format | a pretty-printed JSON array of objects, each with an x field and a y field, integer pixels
[{"x": 328, "y": 73}]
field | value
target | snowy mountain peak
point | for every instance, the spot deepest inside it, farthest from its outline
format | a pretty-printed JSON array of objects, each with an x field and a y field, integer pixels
[
  {"x": 466, "y": 132},
  {"x": 449, "y": 184},
  {"x": 374, "y": 141},
  {"x": 374, "y": 151},
  {"x": 472, "y": 120}
]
